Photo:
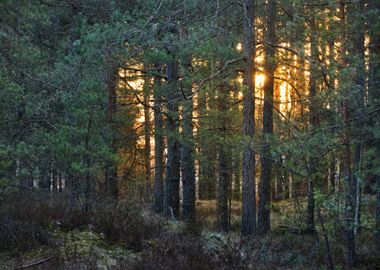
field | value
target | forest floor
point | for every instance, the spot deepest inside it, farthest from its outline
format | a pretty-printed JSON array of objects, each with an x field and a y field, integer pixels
[{"x": 130, "y": 236}]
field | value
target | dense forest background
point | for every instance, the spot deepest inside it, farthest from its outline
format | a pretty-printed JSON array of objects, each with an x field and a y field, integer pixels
[{"x": 163, "y": 134}]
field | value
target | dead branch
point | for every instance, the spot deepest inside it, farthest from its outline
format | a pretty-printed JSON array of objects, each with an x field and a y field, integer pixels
[{"x": 36, "y": 263}]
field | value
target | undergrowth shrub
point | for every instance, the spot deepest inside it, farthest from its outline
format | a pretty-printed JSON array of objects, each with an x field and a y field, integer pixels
[
  {"x": 188, "y": 251},
  {"x": 21, "y": 236},
  {"x": 40, "y": 208},
  {"x": 126, "y": 222},
  {"x": 28, "y": 207},
  {"x": 175, "y": 252},
  {"x": 27, "y": 217}
]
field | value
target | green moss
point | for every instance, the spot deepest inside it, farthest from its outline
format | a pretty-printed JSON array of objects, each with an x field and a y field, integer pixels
[{"x": 88, "y": 244}]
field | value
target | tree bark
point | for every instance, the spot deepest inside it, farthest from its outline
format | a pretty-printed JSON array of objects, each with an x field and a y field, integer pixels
[
  {"x": 187, "y": 152},
  {"x": 110, "y": 171},
  {"x": 147, "y": 129},
  {"x": 207, "y": 180},
  {"x": 314, "y": 123},
  {"x": 374, "y": 100},
  {"x": 248, "y": 225},
  {"x": 358, "y": 9},
  {"x": 224, "y": 160},
  {"x": 266, "y": 161},
  {"x": 89, "y": 184},
  {"x": 171, "y": 196},
  {"x": 349, "y": 183},
  {"x": 236, "y": 157},
  {"x": 377, "y": 228},
  {"x": 158, "y": 147},
  {"x": 224, "y": 180}
]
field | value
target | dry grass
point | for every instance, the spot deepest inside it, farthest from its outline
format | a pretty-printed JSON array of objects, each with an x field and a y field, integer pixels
[{"x": 128, "y": 235}]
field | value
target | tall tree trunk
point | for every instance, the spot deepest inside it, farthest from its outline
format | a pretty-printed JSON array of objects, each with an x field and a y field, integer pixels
[
  {"x": 171, "y": 196},
  {"x": 203, "y": 178},
  {"x": 224, "y": 180},
  {"x": 147, "y": 130},
  {"x": 208, "y": 179},
  {"x": 377, "y": 228},
  {"x": 266, "y": 161},
  {"x": 110, "y": 171},
  {"x": 249, "y": 183},
  {"x": 349, "y": 183},
  {"x": 202, "y": 183},
  {"x": 89, "y": 184},
  {"x": 374, "y": 100},
  {"x": 357, "y": 11},
  {"x": 187, "y": 152},
  {"x": 236, "y": 159},
  {"x": 158, "y": 146},
  {"x": 224, "y": 161},
  {"x": 314, "y": 123}
]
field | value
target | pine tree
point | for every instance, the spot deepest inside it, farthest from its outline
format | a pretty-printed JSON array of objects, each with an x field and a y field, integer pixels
[
  {"x": 266, "y": 160},
  {"x": 249, "y": 184}
]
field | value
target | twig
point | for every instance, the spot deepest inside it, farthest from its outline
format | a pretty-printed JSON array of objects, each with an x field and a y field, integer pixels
[
  {"x": 36, "y": 263},
  {"x": 213, "y": 76}
]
